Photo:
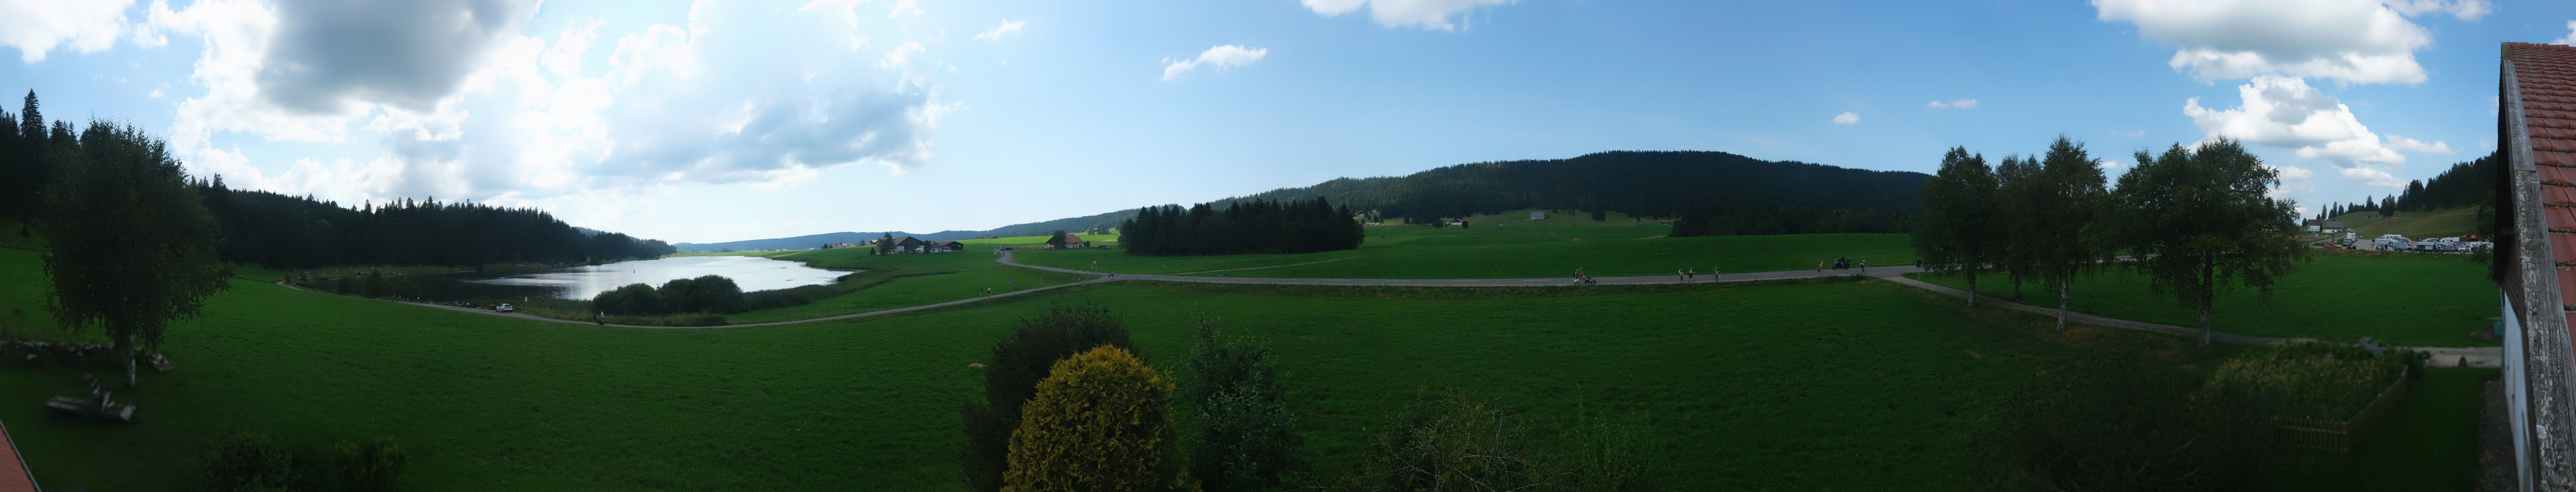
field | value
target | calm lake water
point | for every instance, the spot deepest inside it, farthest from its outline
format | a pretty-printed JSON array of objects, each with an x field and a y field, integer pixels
[{"x": 751, "y": 273}]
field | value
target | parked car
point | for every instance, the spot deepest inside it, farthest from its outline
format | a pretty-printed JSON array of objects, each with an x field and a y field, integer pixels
[
  {"x": 505, "y": 308},
  {"x": 2392, "y": 242},
  {"x": 2333, "y": 246}
]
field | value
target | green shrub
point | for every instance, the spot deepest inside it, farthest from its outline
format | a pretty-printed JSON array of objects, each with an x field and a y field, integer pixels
[
  {"x": 1101, "y": 421},
  {"x": 2313, "y": 380},
  {"x": 248, "y": 461},
  {"x": 1245, "y": 437},
  {"x": 370, "y": 466},
  {"x": 2108, "y": 424},
  {"x": 1012, "y": 378}
]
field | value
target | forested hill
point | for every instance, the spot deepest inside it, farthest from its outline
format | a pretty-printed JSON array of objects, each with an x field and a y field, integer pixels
[
  {"x": 1646, "y": 183},
  {"x": 295, "y": 232}
]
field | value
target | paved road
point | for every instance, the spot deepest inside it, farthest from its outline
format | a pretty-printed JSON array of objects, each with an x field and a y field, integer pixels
[
  {"x": 1568, "y": 280},
  {"x": 2470, "y": 356}
]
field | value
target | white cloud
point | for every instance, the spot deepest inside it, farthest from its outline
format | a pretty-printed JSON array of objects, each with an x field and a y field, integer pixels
[
  {"x": 527, "y": 121},
  {"x": 38, "y": 26},
  {"x": 2570, "y": 40},
  {"x": 1847, "y": 118},
  {"x": 2110, "y": 164},
  {"x": 2373, "y": 177},
  {"x": 1953, "y": 104},
  {"x": 1007, "y": 27},
  {"x": 2130, "y": 133},
  {"x": 1430, "y": 14},
  {"x": 2404, "y": 144},
  {"x": 2286, "y": 112},
  {"x": 2462, "y": 9},
  {"x": 1216, "y": 58},
  {"x": 2292, "y": 173},
  {"x": 2350, "y": 41},
  {"x": 895, "y": 57}
]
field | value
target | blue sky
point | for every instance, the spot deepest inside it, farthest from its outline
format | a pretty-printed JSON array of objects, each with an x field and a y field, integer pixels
[{"x": 707, "y": 121}]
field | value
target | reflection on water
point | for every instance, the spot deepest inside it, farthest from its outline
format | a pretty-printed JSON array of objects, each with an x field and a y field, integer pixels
[{"x": 751, "y": 273}]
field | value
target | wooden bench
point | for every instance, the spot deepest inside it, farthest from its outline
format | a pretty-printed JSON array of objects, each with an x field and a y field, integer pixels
[{"x": 84, "y": 407}]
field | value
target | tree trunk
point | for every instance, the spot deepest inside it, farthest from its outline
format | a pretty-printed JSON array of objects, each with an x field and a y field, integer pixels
[
  {"x": 2208, "y": 295},
  {"x": 1972, "y": 287},
  {"x": 2061, "y": 300},
  {"x": 2016, "y": 288},
  {"x": 124, "y": 347}
]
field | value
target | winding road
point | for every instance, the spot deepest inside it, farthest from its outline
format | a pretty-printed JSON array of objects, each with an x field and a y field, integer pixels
[{"x": 2441, "y": 356}]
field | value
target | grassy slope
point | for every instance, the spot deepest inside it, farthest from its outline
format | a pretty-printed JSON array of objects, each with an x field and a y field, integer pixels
[
  {"x": 2419, "y": 224},
  {"x": 2428, "y": 300},
  {"x": 1805, "y": 385},
  {"x": 1509, "y": 252}
]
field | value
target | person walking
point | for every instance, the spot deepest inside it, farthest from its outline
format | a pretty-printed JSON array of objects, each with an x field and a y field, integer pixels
[
  {"x": 1689, "y": 273},
  {"x": 1679, "y": 277},
  {"x": 1864, "y": 267},
  {"x": 602, "y": 319}
]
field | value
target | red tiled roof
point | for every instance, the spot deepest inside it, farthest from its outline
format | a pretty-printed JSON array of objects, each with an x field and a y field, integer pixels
[
  {"x": 14, "y": 476},
  {"x": 1069, "y": 238},
  {"x": 2545, "y": 81}
]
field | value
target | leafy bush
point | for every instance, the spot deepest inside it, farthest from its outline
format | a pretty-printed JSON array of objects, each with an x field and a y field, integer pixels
[
  {"x": 1012, "y": 378},
  {"x": 1456, "y": 443},
  {"x": 370, "y": 465},
  {"x": 2107, "y": 424},
  {"x": 1102, "y": 421},
  {"x": 1244, "y": 433},
  {"x": 2309, "y": 379},
  {"x": 248, "y": 461},
  {"x": 707, "y": 294}
]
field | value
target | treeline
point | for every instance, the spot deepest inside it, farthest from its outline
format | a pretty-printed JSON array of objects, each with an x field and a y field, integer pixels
[
  {"x": 1654, "y": 184},
  {"x": 2193, "y": 220},
  {"x": 2464, "y": 184},
  {"x": 285, "y": 231},
  {"x": 298, "y": 232},
  {"x": 1256, "y": 226}
]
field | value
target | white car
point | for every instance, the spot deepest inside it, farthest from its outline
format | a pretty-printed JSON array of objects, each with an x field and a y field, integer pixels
[{"x": 504, "y": 308}]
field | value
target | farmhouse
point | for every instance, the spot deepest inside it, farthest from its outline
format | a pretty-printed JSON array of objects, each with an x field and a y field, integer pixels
[
  {"x": 909, "y": 244},
  {"x": 947, "y": 246},
  {"x": 1073, "y": 241},
  {"x": 2537, "y": 237},
  {"x": 2325, "y": 226}
]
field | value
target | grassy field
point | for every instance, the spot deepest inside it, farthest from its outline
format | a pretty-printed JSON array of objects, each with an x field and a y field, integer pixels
[
  {"x": 1507, "y": 252},
  {"x": 1804, "y": 385},
  {"x": 2407, "y": 299},
  {"x": 2417, "y": 224}
]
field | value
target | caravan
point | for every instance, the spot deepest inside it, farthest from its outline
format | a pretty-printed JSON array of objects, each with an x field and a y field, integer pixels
[{"x": 2391, "y": 242}]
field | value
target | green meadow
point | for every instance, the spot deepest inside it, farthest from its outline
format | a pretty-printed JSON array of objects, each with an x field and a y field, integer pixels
[
  {"x": 1839, "y": 384},
  {"x": 2400, "y": 298},
  {"x": 901, "y": 280},
  {"x": 1396, "y": 251}
]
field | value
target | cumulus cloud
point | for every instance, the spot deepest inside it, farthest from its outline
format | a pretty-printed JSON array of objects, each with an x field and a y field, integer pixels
[
  {"x": 527, "y": 120},
  {"x": 2286, "y": 112},
  {"x": 328, "y": 56},
  {"x": 1429, "y": 14},
  {"x": 2292, "y": 173},
  {"x": 1847, "y": 118},
  {"x": 1953, "y": 104},
  {"x": 36, "y": 27},
  {"x": 1007, "y": 27},
  {"x": 2373, "y": 177},
  {"x": 2570, "y": 40},
  {"x": 2404, "y": 144},
  {"x": 2462, "y": 9},
  {"x": 895, "y": 57},
  {"x": 2130, "y": 133},
  {"x": 1216, "y": 58},
  {"x": 2350, "y": 41}
]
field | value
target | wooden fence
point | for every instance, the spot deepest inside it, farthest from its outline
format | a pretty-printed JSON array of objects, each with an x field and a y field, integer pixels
[{"x": 2342, "y": 436}]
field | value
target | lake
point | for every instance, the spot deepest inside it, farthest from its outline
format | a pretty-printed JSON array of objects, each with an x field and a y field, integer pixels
[{"x": 750, "y": 272}]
